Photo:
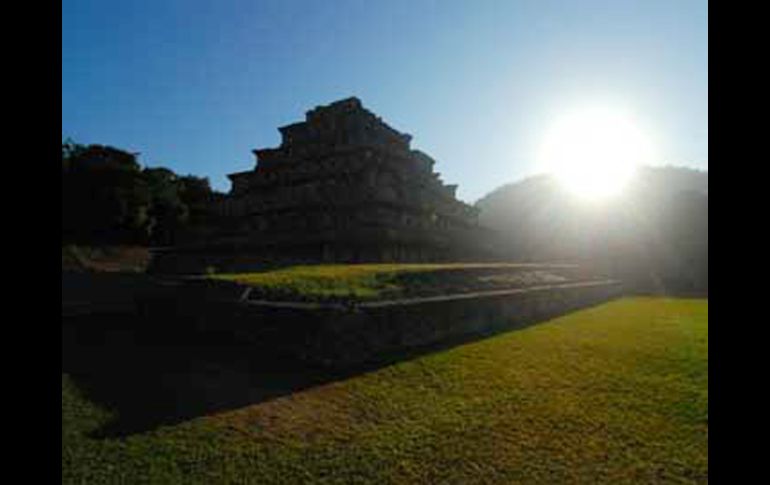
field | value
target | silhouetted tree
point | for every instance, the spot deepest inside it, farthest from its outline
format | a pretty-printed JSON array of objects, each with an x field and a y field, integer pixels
[
  {"x": 196, "y": 194},
  {"x": 104, "y": 196},
  {"x": 167, "y": 210},
  {"x": 108, "y": 198}
]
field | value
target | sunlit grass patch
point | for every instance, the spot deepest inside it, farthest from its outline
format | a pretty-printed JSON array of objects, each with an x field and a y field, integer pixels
[{"x": 359, "y": 281}]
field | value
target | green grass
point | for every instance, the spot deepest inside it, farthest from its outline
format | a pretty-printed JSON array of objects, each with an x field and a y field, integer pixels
[
  {"x": 358, "y": 281},
  {"x": 613, "y": 394}
]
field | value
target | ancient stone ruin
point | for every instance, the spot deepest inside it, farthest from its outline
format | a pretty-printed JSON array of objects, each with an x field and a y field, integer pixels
[{"x": 343, "y": 186}]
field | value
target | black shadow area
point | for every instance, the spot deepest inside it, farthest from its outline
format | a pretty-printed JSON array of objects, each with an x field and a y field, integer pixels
[{"x": 154, "y": 373}]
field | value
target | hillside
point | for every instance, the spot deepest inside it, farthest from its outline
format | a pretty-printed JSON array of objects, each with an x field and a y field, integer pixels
[
  {"x": 655, "y": 234},
  {"x": 536, "y": 189}
]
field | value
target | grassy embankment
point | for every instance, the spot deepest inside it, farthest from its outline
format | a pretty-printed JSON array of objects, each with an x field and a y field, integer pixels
[
  {"x": 372, "y": 281},
  {"x": 613, "y": 394}
]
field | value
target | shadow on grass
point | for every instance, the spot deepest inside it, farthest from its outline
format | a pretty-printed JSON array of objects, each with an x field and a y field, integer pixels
[{"x": 152, "y": 378}]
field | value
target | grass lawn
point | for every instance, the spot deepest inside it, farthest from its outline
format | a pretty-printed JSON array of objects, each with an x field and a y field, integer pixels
[
  {"x": 369, "y": 281},
  {"x": 612, "y": 394}
]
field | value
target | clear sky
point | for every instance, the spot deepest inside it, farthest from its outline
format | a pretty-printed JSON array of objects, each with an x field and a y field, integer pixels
[{"x": 196, "y": 85}]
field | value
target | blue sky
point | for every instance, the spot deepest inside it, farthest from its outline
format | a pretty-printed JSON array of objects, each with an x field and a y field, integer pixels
[{"x": 196, "y": 85}]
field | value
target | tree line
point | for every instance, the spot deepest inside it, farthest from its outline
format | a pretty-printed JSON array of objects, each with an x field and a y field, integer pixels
[{"x": 109, "y": 198}]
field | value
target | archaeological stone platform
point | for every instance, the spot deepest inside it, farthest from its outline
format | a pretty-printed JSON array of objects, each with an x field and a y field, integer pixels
[{"x": 334, "y": 334}]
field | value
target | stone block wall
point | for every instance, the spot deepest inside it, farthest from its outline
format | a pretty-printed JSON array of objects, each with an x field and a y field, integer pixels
[
  {"x": 372, "y": 330},
  {"x": 339, "y": 335}
]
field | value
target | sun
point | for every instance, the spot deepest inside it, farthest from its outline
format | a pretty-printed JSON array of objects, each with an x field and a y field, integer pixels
[{"x": 594, "y": 152}]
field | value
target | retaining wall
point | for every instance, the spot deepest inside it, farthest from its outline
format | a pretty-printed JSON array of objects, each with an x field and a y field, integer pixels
[{"x": 334, "y": 334}]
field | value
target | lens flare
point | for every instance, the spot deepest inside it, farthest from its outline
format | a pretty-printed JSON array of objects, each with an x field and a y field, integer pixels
[{"x": 594, "y": 152}]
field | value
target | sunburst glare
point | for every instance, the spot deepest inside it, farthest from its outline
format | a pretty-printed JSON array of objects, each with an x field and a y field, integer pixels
[{"x": 594, "y": 152}]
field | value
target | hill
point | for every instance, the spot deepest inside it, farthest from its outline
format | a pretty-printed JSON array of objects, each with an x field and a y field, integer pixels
[{"x": 654, "y": 235}]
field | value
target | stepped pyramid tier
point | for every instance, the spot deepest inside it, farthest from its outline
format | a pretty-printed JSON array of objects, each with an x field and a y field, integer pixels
[{"x": 344, "y": 186}]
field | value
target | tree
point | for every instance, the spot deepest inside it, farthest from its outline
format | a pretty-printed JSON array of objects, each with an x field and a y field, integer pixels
[
  {"x": 104, "y": 196},
  {"x": 108, "y": 198},
  {"x": 167, "y": 210}
]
